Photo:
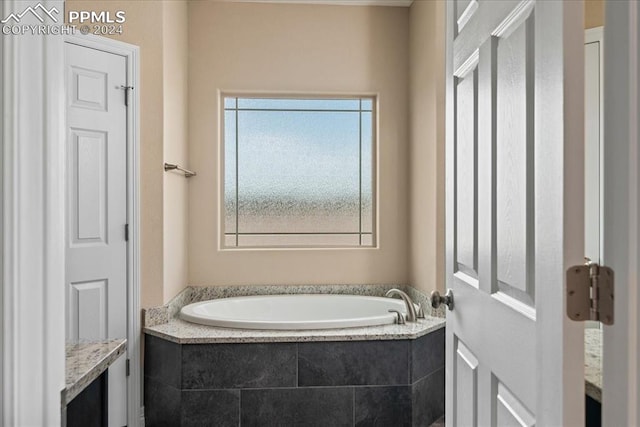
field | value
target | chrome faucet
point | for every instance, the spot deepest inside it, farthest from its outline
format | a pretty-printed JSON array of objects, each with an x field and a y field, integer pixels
[{"x": 411, "y": 309}]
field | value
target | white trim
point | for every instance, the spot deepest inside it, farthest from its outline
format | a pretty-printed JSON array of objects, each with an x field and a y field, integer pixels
[
  {"x": 596, "y": 35},
  {"x": 396, "y": 3},
  {"x": 514, "y": 19},
  {"x": 467, "y": 14},
  {"x": 621, "y": 234},
  {"x": 132, "y": 54},
  {"x": 469, "y": 64},
  {"x": 33, "y": 226}
]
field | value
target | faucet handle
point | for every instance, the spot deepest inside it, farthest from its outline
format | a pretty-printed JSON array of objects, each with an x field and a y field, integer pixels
[
  {"x": 420, "y": 312},
  {"x": 399, "y": 317}
]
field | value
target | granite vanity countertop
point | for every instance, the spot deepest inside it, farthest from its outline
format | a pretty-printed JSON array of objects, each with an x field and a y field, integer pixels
[
  {"x": 182, "y": 332},
  {"x": 593, "y": 363},
  {"x": 86, "y": 360}
]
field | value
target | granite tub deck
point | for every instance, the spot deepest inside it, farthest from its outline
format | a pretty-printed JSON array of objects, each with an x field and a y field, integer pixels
[
  {"x": 86, "y": 361},
  {"x": 182, "y": 332},
  {"x": 163, "y": 322},
  {"x": 195, "y": 375}
]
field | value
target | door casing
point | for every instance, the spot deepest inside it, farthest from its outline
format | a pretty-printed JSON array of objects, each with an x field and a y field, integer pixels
[
  {"x": 32, "y": 225},
  {"x": 621, "y": 211}
]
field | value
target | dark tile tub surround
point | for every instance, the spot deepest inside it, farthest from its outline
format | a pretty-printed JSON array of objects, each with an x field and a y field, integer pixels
[{"x": 356, "y": 383}]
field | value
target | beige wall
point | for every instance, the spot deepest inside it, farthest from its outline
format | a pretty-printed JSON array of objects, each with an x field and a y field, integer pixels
[
  {"x": 159, "y": 28},
  {"x": 304, "y": 49},
  {"x": 427, "y": 126},
  {"x": 143, "y": 27},
  {"x": 175, "y": 59},
  {"x": 189, "y": 52},
  {"x": 593, "y": 13}
]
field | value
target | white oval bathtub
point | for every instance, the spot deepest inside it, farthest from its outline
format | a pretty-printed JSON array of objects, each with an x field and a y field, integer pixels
[{"x": 294, "y": 311}]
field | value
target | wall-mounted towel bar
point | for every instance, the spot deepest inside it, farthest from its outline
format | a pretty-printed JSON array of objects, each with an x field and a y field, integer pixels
[{"x": 171, "y": 166}]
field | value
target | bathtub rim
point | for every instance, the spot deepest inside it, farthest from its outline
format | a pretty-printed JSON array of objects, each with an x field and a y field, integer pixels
[{"x": 187, "y": 313}]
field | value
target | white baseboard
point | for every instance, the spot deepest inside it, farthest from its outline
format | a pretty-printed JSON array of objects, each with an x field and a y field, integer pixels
[{"x": 141, "y": 416}]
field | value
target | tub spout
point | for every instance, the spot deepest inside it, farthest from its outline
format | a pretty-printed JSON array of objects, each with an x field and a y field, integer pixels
[{"x": 411, "y": 309}]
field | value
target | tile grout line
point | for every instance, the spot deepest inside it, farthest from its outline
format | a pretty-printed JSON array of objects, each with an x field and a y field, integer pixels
[
  {"x": 239, "y": 407},
  {"x": 410, "y": 363},
  {"x": 353, "y": 409}
]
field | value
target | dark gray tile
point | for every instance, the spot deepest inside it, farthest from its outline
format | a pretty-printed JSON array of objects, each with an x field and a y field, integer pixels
[
  {"x": 353, "y": 363},
  {"x": 427, "y": 354},
  {"x": 428, "y": 399},
  {"x": 162, "y": 360},
  {"x": 383, "y": 406},
  {"x": 220, "y": 408},
  {"x": 161, "y": 404},
  {"x": 297, "y": 407},
  {"x": 207, "y": 366}
]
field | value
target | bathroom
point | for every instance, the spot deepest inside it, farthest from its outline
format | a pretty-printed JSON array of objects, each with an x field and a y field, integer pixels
[
  {"x": 339, "y": 51},
  {"x": 200, "y": 52}
]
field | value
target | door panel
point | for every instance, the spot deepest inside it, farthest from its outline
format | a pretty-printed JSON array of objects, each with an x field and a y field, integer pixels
[
  {"x": 88, "y": 309},
  {"x": 97, "y": 207},
  {"x": 514, "y": 157},
  {"x": 510, "y": 411},
  {"x": 466, "y": 369},
  {"x": 466, "y": 189},
  {"x": 498, "y": 216},
  {"x": 88, "y": 192},
  {"x": 88, "y": 89}
]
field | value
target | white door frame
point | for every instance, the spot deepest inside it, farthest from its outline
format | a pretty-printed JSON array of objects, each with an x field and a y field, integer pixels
[
  {"x": 621, "y": 239},
  {"x": 596, "y": 35},
  {"x": 33, "y": 225},
  {"x": 132, "y": 54}
]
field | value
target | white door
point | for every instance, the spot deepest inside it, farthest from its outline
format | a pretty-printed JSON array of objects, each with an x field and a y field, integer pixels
[
  {"x": 515, "y": 202},
  {"x": 97, "y": 206}
]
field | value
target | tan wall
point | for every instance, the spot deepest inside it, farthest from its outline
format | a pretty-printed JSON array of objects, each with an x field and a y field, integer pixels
[
  {"x": 427, "y": 126},
  {"x": 593, "y": 13},
  {"x": 143, "y": 27},
  {"x": 299, "y": 48},
  {"x": 175, "y": 59}
]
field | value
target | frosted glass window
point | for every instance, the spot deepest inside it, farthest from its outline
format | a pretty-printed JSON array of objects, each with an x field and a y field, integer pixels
[{"x": 298, "y": 172}]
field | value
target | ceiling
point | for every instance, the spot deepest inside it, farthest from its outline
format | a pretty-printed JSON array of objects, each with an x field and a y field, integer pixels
[{"x": 397, "y": 3}]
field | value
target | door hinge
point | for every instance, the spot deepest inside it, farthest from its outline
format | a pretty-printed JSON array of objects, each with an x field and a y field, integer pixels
[
  {"x": 126, "y": 94},
  {"x": 126, "y": 232},
  {"x": 590, "y": 293},
  {"x": 128, "y": 367}
]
